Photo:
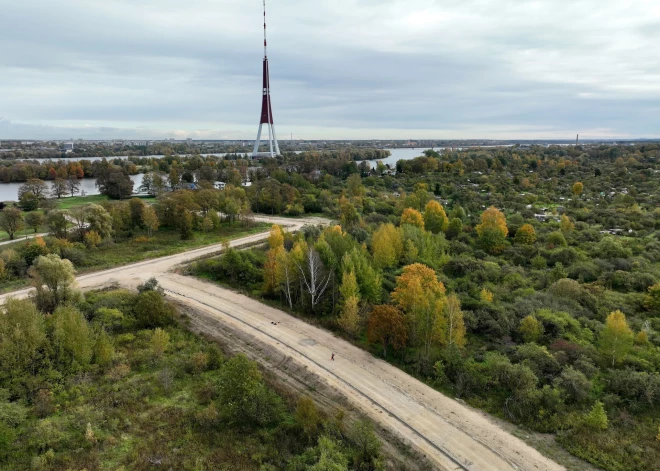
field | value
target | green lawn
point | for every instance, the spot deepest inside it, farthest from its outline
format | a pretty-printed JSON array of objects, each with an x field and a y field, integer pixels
[
  {"x": 138, "y": 248},
  {"x": 164, "y": 242},
  {"x": 68, "y": 203}
]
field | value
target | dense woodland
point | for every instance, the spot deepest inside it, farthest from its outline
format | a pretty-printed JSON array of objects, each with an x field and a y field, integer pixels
[
  {"x": 523, "y": 280},
  {"x": 112, "y": 381}
]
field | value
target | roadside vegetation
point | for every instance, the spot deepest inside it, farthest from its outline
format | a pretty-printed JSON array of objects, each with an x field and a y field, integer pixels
[
  {"x": 110, "y": 380},
  {"x": 524, "y": 281}
]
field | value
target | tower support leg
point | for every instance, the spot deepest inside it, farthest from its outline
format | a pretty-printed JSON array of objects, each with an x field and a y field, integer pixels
[{"x": 258, "y": 141}]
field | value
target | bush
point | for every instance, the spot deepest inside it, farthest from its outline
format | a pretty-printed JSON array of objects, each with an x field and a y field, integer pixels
[{"x": 151, "y": 310}]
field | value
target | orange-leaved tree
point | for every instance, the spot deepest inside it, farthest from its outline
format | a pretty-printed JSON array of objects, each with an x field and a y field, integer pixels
[
  {"x": 387, "y": 326},
  {"x": 422, "y": 297}
]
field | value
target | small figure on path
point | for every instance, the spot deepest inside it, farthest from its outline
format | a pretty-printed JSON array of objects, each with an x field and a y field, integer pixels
[{"x": 332, "y": 357}]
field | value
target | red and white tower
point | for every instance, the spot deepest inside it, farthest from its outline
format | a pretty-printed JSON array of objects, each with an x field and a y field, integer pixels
[{"x": 266, "y": 107}]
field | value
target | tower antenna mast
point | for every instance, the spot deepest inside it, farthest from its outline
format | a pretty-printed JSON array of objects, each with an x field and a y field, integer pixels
[{"x": 266, "y": 105}]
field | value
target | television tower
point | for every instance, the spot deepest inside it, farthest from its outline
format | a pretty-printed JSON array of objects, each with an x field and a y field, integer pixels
[{"x": 266, "y": 107}]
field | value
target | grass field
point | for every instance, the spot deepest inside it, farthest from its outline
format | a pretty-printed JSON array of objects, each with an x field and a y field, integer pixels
[
  {"x": 68, "y": 203},
  {"x": 138, "y": 248}
]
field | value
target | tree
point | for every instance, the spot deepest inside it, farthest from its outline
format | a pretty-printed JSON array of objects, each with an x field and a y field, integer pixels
[
  {"x": 531, "y": 329},
  {"x": 387, "y": 246},
  {"x": 387, "y": 326},
  {"x": 330, "y": 457},
  {"x": 11, "y": 221},
  {"x": 160, "y": 340},
  {"x": 58, "y": 188},
  {"x": 350, "y": 297},
  {"x": 578, "y": 188},
  {"x": 72, "y": 337},
  {"x": 72, "y": 185},
  {"x": 413, "y": 217},
  {"x": 92, "y": 239},
  {"x": 276, "y": 237},
  {"x": 35, "y": 186},
  {"x": 99, "y": 221},
  {"x": 596, "y": 419},
  {"x": 367, "y": 445},
  {"x": 526, "y": 235},
  {"x": 652, "y": 299},
  {"x": 566, "y": 224},
  {"x": 422, "y": 297},
  {"x": 314, "y": 276},
  {"x": 104, "y": 351},
  {"x": 22, "y": 339},
  {"x": 616, "y": 339},
  {"x": 307, "y": 416},
  {"x": 35, "y": 220},
  {"x": 115, "y": 183},
  {"x": 486, "y": 295},
  {"x": 28, "y": 202},
  {"x": 454, "y": 331},
  {"x": 136, "y": 207},
  {"x": 150, "y": 219},
  {"x": 435, "y": 218},
  {"x": 455, "y": 228},
  {"x": 151, "y": 310},
  {"x": 493, "y": 230},
  {"x": 185, "y": 223},
  {"x": 53, "y": 278},
  {"x": 57, "y": 223}
]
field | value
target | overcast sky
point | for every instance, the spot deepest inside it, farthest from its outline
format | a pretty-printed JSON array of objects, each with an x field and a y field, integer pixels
[{"x": 381, "y": 69}]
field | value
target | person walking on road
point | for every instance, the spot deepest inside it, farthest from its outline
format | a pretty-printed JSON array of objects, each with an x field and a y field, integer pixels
[{"x": 332, "y": 357}]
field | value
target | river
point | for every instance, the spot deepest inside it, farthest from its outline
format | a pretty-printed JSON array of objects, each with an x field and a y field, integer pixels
[{"x": 9, "y": 191}]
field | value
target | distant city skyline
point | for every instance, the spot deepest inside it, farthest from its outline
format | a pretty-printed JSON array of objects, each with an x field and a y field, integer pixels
[{"x": 340, "y": 69}]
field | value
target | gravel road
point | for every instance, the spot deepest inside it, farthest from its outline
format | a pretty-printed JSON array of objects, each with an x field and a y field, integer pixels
[{"x": 451, "y": 435}]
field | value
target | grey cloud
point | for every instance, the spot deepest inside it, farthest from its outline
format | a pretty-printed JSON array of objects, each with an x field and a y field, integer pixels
[{"x": 149, "y": 68}]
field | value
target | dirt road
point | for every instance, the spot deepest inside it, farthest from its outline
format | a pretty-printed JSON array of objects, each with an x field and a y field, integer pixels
[{"x": 451, "y": 435}]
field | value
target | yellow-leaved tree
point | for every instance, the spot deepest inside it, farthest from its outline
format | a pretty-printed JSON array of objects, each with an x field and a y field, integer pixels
[
  {"x": 493, "y": 230},
  {"x": 413, "y": 217},
  {"x": 349, "y": 318},
  {"x": 422, "y": 298},
  {"x": 454, "y": 329},
  {"x": 526, "y": 235},
  {"x": 435, "y": 218},
  {"x": 616, "y": 339},
  {"x": 387, "y": 246}
]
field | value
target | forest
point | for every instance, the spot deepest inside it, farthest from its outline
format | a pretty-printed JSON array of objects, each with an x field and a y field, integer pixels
[
  {"x": 113, "y": 380},
  {"x": 523, "y": 280}
]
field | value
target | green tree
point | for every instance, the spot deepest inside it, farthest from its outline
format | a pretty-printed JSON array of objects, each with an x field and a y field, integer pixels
[
  {"x": 99, "y": 221},
  {"x": 531, "y": 329},
  {"x": 330, "y": 457},
  {"x": 22, "y": 340},
  {"x": 596, "y": 419},
  {"x": 150, "y": 219},
  {"x": 35, "y": 220},
  {"x": 136, "y": 207},
  {"x": 57, "y": 223},
  {"x": 11, "y": 221},
  {"x": 308, "y": 417},
  {"x": 104, "y": 351},
  {"x": 367, "y": 444},
  {"x": 616, "y": 339},
  {"x": 160, "y": 341},
  {"x": 652, "y": 299},
  {"x": 151, "y": 310},
  {"x": 53, "y": 278},
  {"x": 435, "y": 218},
  {"x": 455, "y": 228},
  {"x": 453, "y": 334},
  {"x": 72, "y": 337}
]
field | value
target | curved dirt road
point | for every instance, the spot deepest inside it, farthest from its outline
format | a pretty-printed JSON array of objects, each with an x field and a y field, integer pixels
[{"x": 451, "y": 435}]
